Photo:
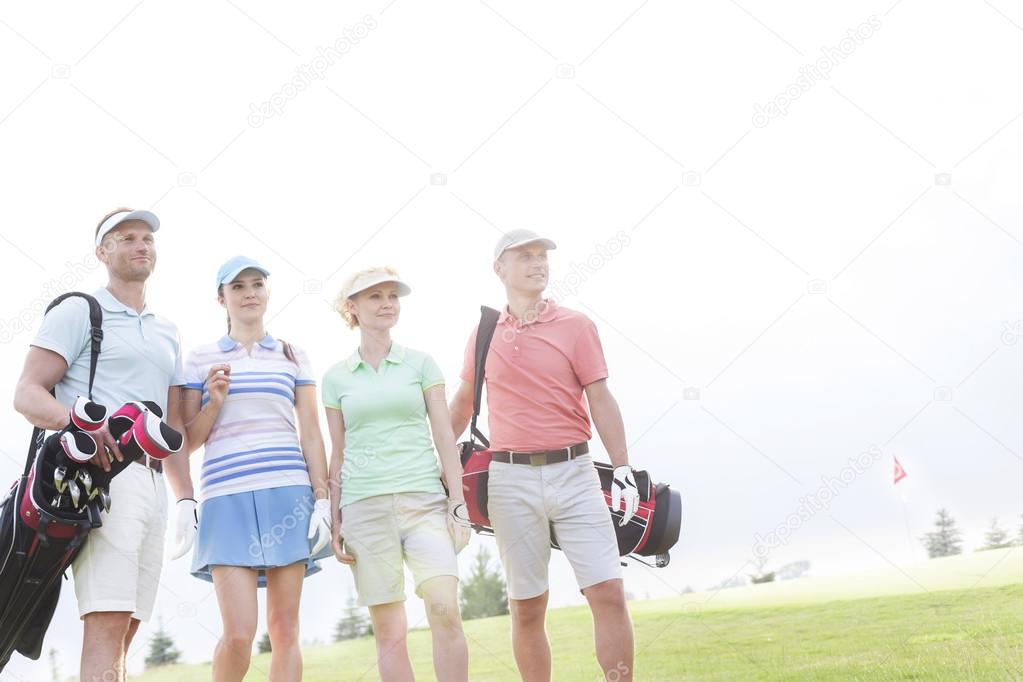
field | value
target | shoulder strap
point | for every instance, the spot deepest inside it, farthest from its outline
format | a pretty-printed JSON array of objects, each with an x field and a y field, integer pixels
[
  {"x": 484, "y": 334},
  {"x": 95, "y": 344},
  {"x": 95, "y": 329}
]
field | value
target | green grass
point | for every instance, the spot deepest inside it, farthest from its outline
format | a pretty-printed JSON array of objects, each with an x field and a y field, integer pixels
[{"x": 751, "y": 634}]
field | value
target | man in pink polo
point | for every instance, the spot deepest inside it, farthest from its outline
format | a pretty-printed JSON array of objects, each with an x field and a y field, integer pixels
[{"x": 542, "y": 360}]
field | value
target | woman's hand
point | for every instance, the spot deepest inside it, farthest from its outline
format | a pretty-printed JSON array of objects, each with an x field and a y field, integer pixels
[
  {"x": 218, "y": 380},
  {"x": 458, "y": 524}
]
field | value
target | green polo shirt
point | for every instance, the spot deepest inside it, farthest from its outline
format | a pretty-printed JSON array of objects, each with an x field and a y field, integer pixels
[{"x": 388, "y": 446}]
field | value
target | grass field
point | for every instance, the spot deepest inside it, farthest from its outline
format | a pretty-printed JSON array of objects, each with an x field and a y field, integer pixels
[{"x": 952, "y": 619}]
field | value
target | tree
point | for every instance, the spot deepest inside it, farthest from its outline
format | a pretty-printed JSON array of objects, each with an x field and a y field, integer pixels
[
  {"x": 996, "y": 537},
  {"x": 161, "y": 649},
  {"x": 353, "y": 623},
  {"x": 794, "y": 570},
  {"x": 483, "y": 593},
  {"x": 761, "y": 576},
  {"x": 729, "y": 583},
  {"x": 263, "y": 645},
  {"x": 54, "y": 665},
  {"x": 945, "y": 539}
]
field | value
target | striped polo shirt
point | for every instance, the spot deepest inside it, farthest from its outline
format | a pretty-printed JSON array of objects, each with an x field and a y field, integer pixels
[{"x": 254, "y": 444}]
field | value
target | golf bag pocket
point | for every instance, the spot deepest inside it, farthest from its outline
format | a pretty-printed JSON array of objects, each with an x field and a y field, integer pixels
[{"x": 476, "y": 481}]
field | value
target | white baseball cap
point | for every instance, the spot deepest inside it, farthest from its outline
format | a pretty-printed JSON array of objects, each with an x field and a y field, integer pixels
[
  {"x": 113, "y": 221},
  {"x": 375, "y": 277},
  {"x": 517, "y": 238}
]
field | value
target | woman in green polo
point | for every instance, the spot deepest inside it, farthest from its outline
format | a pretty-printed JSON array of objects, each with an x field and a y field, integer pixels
[{"x": 389, "y": 506}]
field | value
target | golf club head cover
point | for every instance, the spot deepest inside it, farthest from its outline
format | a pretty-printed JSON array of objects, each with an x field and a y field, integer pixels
[
  {"x": 87, "y": 415},
  {"x": 78, "y": 446},
  {"x": 150, "y": 435},
  {"x": 121, "y": 420},
  {"x": 120, "y": 424}
]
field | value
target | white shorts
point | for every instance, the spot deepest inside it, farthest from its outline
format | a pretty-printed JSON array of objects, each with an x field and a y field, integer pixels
[
  {"x": 527, "y": 502},
  {"x": 119, "y": 567},
  {"x": 385, "y": 531}
]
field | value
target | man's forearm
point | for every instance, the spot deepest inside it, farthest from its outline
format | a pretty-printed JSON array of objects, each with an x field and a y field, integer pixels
[
  {"x": 607, "y": 417},
  {"x": 40, "y": 408},
  {"x": 179, "y": 476},
  {"x": 460, "y": 418}
]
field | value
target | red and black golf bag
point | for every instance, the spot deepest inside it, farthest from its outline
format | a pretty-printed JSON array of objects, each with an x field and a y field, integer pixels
[
  {"x": 652, "y": 531},
  {"x": 38, "y": 540}
]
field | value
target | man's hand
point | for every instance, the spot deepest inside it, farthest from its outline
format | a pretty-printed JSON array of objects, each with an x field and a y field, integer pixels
[
  {"x": 458, "y": 524},
  {"x": 105, "y": 443},
  {"x": 319, "y": 526},
  {"x": 185, "y": 526},
  {"x": 624, "y": 491}
]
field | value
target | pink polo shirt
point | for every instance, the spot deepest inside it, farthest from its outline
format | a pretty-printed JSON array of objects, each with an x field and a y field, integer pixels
[{"x": 535, "y": 376}]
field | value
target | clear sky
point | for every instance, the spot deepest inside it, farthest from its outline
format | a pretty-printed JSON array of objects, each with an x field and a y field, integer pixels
[{"x": 797, "y": 229}]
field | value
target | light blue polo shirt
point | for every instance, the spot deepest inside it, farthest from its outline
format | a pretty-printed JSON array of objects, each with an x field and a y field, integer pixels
[
  {"x": 140, "y": 358},
  {"x": 388, "y": 446}
]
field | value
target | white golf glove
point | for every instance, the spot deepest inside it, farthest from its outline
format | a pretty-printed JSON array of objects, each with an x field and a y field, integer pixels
[
  {"x": 624, "y": 491},
  {"x": 185, "y": 526},
  {"x": 319, "y": 526},
  {"x": 458, "y": 524}
]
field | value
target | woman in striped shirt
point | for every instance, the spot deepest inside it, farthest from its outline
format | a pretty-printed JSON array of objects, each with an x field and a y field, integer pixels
[{"x": 263, "y": 483}]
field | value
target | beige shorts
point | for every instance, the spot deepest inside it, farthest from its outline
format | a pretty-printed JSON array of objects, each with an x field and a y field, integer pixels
[
  {"x": 118, "y": 569},
  {"x": 385, "y": 532},
  {"x": 527, "y": 502}
]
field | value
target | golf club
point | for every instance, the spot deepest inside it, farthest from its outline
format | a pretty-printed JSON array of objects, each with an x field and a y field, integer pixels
[
  {"x": 58, "y": 479},
  {"x": 86, "y": 480},
  {"x": 76, "y": 493}
]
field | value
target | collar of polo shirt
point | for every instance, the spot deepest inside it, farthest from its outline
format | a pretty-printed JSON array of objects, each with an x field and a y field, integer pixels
[
  {"x": 226, "y": 343},
  {"x": 550, "y": 308},
  {"x": 395, "y": 357},
  {"x": 108, "y": 302}
]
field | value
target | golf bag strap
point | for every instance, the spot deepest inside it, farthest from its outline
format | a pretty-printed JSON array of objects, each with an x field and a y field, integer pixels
[
  {"x": 95, "y": 344},
  {"x": 484, "y": 334}
]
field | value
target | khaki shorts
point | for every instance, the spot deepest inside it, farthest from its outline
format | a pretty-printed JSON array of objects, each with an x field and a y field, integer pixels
[
  {"x": 385, "y": 531},
  {"x": 118, "y": 569},
  {"x": 526, "y": 502}
]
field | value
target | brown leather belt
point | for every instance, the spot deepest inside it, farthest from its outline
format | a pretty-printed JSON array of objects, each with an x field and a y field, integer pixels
[
  {"x": 150, "y": 463},
  {"x": 540, "y": 458}
]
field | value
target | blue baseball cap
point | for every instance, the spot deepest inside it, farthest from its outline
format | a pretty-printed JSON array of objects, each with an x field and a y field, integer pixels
[{"x": 232, "y": 268}]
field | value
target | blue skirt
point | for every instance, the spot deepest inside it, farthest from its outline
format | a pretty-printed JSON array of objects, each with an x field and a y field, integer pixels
[{"x": 259, "y": 529}]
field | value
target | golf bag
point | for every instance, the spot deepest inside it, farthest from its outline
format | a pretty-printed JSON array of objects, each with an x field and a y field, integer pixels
[
  {"x": 39, "y": 539},
  {"x": 652, "y": 531}
]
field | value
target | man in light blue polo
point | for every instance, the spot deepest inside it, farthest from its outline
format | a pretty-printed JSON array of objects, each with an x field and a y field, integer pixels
[{"x": 118, "y": 571}]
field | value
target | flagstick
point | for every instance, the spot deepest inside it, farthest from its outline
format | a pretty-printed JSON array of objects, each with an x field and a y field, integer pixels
[{"x": 905, "y": 518}]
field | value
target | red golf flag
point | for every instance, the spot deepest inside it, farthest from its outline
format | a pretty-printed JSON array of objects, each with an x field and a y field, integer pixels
[{"x": 900, "y": 473}]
